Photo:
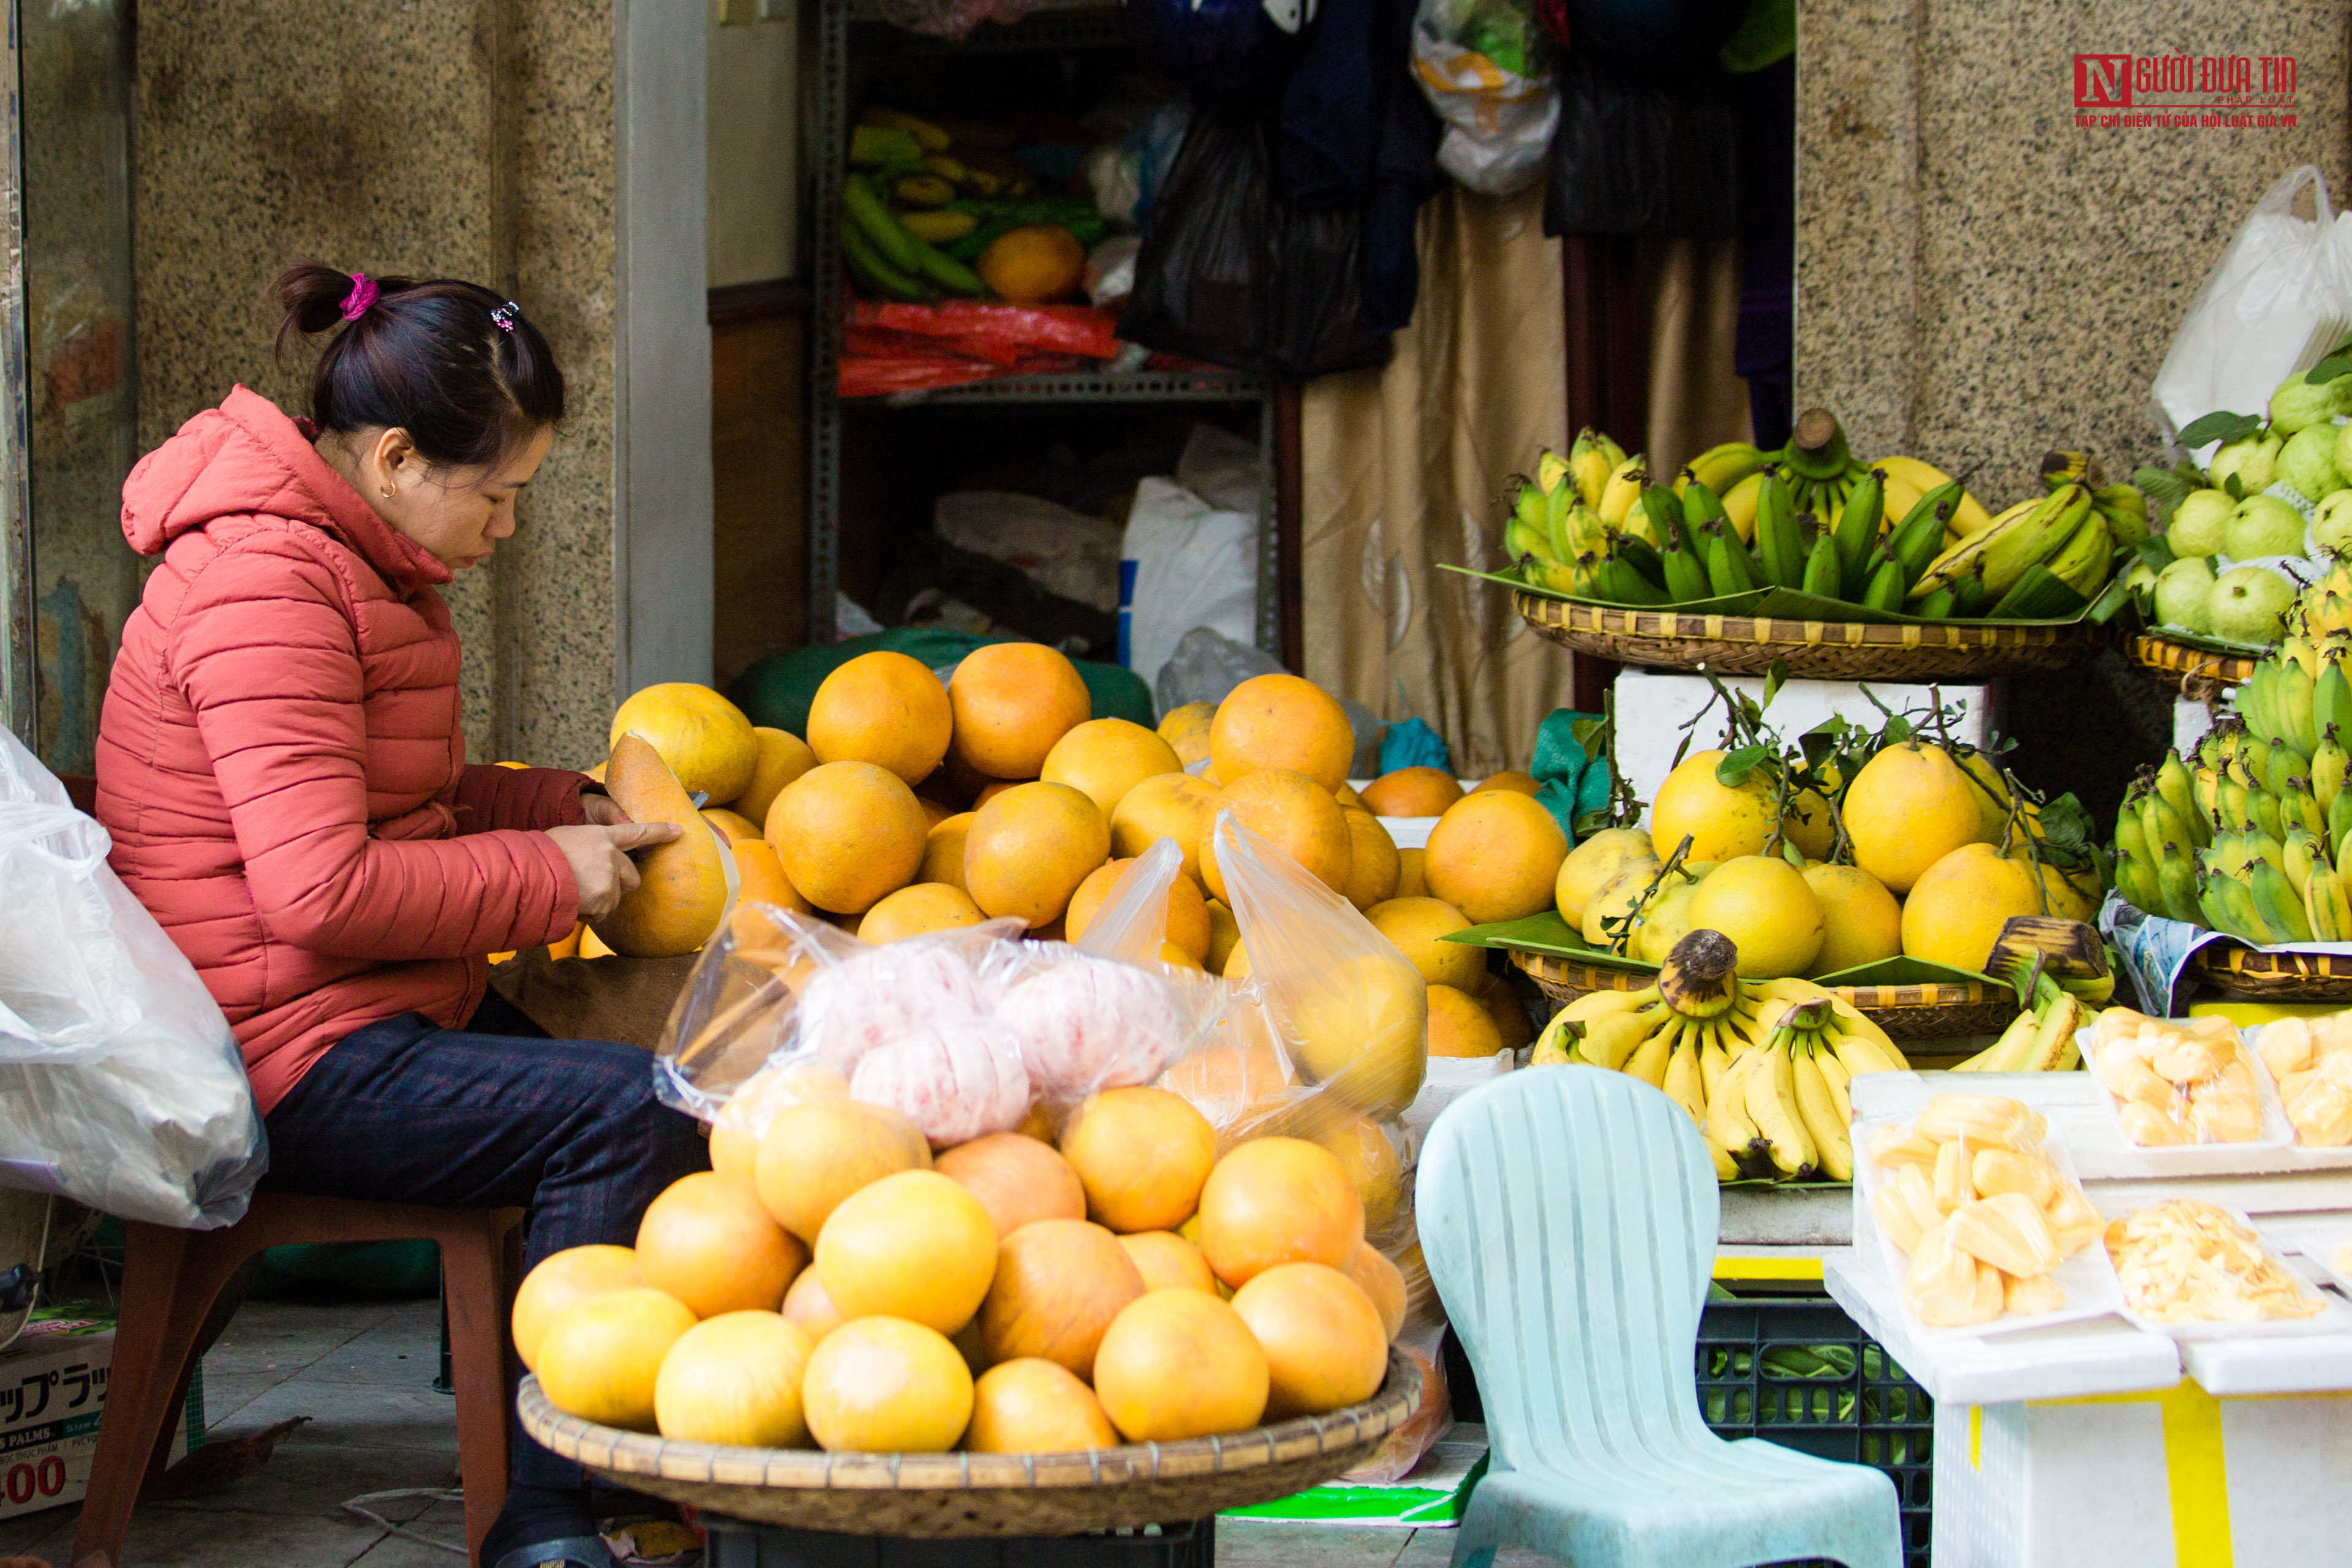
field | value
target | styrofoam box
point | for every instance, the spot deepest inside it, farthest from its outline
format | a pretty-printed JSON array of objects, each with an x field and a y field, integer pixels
[
  {"x": 52, "y": 1387},
  {"x": 1653, "y": 706}
]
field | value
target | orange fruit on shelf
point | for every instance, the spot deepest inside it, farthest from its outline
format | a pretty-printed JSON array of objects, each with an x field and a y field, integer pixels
[
  {"x": 1017, "y": 1179},
  {"x": 1293, "y": 814},
  {"x": 1417, "y": 926},
  {"x": 735, "y": 1378},
  {"x": 1273, "y": 1201},
  {"x": 1011, "y": 701},
  {"x": 943, "y": 851},
  {"x": 916, "y": 908},
  {"x": 1180, "y": 1363},
  {"x": 783, "y": 757},
  {"x": 807, "y": 1304},
  {"x": 563, "y": 1280},
  {"x": 709, "y": 1241},
  {"x": 913, "y": 1246},
  {"x": 847, "y": 833},
  {"x": 1908, "y": 807},
  {"x": 1036, "y": 1407},
  {"x": 1107, "y": 757},
  {"x": 1382, "y": 1283},
  {"x": 889, "y": 1386},
  {"x": 1142, "y": 1156},
  {"x": 1188, "y": 911},
  {"x": 599, "y": 1359},
  {"x": 1187, "y": 730},
  {"x": 1326, "y": 1346},
  {"x": 1958, "y": 905},
  {"x": 882, "y": 708},
  {"x": 1035, "y": 264},
  {"x": 1374, "y": 862},
  {"x": 1169, "y": 1262},
  {"x": 1860, "y": 921},
  {"x": 1411, "y": 792},
  {"x": 1282, "y": 721},
  {"x": 735, "y": 1131},
  {"x": 1165, "y": 805},
  {"x": 1058, "y": 1284},
  {"x": 815, "y": 1154},
  {"x": 1495, "y": 856}
]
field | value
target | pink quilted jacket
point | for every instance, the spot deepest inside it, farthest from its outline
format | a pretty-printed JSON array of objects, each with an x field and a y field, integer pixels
[{"x": 280, "y": 760}]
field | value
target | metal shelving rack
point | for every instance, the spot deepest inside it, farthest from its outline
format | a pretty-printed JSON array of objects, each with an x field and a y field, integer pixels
[{"x": 1059, "y": 27}]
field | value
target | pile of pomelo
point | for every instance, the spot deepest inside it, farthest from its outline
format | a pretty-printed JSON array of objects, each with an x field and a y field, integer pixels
[
  {"x": 1926, "y": 877},
  {"x": 915, "y": 806},
  {"x": 833, "y": 1283}
]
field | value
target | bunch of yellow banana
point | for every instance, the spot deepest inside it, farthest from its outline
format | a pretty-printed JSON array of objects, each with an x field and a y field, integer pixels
[
  {"x": 2122, "y": 505},
  {"x": 1909, "y": 479},
  {"x": 1987, "y": 572},
  {"x": 1761, "y": 1067},
  {"x": 2039, "y": 1040}
]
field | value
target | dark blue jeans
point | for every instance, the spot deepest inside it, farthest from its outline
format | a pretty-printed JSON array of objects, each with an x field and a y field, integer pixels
[{"x": 494, "y": 1115}]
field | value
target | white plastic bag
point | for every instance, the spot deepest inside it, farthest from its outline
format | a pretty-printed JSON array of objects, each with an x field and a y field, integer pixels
[
  {"x": 1498, "y": 123},
  {"x": 2276, "y": 302},
  {"x": 1182, "y": 565},
  {"x": 122, "y": 1085}
]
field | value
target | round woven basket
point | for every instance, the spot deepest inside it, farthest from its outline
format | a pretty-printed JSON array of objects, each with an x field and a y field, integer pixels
[
  {"x": 1940, "y": 1011},
  {"x": 2273, "y": 976},
  {"x": 1816, "y": 651},
  {"x": 2195, "y": 672},
  {"x": 939, "y": 1495}
]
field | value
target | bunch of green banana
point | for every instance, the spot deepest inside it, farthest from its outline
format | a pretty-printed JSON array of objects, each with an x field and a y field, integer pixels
[
  {"x": 1819, "y": 468},
  {"x": 1761, "y": 1067},
  {"x": 1988, "y": 566},
  {"x": 2039, "y": 1040},
  {"x": 1722, "y": 468}
]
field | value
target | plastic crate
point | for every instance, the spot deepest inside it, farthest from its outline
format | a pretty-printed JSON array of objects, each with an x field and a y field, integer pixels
[
  {"x": 735, "y": 1544},
  {"x": 1797, "y": 1370}
]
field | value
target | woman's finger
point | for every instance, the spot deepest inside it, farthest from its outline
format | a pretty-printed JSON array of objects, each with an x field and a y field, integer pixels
[
  {"x": 624, "y": 873},
  {"x": 629, "y": 835}
]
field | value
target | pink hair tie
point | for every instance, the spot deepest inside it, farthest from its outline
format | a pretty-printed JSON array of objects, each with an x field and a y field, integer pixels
[{"x": 363, "y": 294}]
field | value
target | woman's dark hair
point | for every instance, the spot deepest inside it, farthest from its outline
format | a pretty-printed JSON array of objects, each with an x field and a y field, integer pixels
[{"x": 429, "y": 357}]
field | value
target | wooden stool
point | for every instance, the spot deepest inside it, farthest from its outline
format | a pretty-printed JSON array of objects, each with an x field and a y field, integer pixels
[{"x": 171, "y": 1278}]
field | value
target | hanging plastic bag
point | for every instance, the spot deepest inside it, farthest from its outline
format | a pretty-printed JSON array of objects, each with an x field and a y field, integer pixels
[
  {"x": 124, "y": 1085},
  {"x": 1634, "y": 156},
  {"x": 1484, "y": 68},
  {"x": 1231, "y": 273},
  {"x": 2276, "y": 302}
]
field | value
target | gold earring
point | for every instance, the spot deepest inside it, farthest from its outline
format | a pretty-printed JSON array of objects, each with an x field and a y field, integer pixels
[{"x": 389, "y": 491}]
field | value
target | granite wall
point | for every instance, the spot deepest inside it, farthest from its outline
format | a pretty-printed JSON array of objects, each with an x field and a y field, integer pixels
[
  {"x": 1979, "y": 275},
  {"x": 476, "y": 140}
]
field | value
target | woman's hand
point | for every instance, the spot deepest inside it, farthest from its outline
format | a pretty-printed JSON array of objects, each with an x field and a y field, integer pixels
[
  {"x": 602, "y": 810},
  {"x": 601, "y": 867}
]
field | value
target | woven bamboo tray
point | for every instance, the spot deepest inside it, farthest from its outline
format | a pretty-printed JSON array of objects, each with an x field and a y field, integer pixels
[
  {"x": 1939, "y": 1011},
  {"x": 938, "y": 1495},
  {"x": 2192, "y": 671},
  {"x": 2275, "y": 976},
  {"x": 1815, "y": 650}
]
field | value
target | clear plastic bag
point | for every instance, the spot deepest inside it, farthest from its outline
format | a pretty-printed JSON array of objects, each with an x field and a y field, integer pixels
[
  {"x": 2278, "y": 300},
  {"x": 125, "y": 1087},
  {"x": 964, "y": 1031},
  {"x": 1484, "y": 68}
]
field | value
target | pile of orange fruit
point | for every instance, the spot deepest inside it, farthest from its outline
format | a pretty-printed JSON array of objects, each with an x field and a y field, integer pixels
[{"x": 833, "y": 1283}]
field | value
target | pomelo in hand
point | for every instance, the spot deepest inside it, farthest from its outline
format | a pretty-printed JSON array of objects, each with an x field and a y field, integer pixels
[
  {"x": 735, "y": 1380},
  {"x": 1180, "y": 1363},
  {"x": 1036, "y": 1407},
  {"x": 599, "y": 1359},
  {"x": 563, "y": 1280},
  {"x": 889, "y": 1386}
]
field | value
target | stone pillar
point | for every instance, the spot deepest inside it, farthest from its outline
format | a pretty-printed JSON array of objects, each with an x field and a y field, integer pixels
[
  {"x": 1980, "y": 278},
  {"x": 492, "y": 141}
]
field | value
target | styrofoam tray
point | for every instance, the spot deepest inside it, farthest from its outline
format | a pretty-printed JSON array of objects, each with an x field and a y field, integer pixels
[
  {"x": 2315, "y": 1241},
  {"x": 2333, "y": 1317},
  {"x": 2200, "y": 1159},
  {"x": 2087, "y": 1277}
]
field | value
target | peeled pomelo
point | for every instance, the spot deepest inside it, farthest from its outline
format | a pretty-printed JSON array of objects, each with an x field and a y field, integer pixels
[
  {"x": 1168, "y": 1262},
  {"x": 684, "y": 886},
  {"x": 885, "y": 1385},
  {"x": 735, "y": 1378},
  {"x": 563, "y": 1280},
  {"x": 1141, "y": 1155},
  {"x": 1058, "y": 1284},
  {"x": 1016, "y": 1179},
  {"x": 1325, "y": 1347},
  {"x": 1180, "y": 1363},
  {"x": 1272, "y": 1201},
  {"x": 1036, "y": 1407},
  {"x": 599, "y": 1359},
  {"x": 817, "y": 1153},
  {"x": 709, "y": 1241},
  {"x": 704, "y": 738},
  {"x": 913, "y": 1246}
]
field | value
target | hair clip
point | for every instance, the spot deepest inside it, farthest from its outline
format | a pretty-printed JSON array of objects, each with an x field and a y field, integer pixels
[
  {"x": 503, "y": 317},
  {"x": 363, "y": 294}
]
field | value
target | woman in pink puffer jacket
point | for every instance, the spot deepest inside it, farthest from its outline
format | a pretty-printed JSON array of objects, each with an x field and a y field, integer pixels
[{"x": 283, "y": 769}]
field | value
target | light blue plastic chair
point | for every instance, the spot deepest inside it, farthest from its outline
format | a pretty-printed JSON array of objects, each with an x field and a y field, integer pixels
[{"x": 1569, "y": 1218}]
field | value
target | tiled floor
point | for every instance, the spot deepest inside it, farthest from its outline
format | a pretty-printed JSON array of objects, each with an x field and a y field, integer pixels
[{"x": 365, "y": 1376}]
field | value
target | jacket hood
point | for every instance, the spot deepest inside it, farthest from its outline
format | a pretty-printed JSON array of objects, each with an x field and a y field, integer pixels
[{"x": 246, "y": 458}]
